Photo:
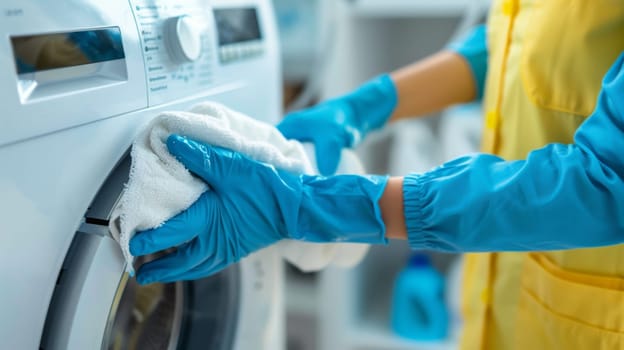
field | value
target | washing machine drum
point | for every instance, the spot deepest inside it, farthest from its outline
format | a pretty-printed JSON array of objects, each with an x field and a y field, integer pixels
[
  {"x": 191, "y": 315},
  {"x": 96, "y": 305}
]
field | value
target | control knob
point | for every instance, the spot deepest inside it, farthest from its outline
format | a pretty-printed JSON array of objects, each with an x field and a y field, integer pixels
[{"x": 183, "y": 39}]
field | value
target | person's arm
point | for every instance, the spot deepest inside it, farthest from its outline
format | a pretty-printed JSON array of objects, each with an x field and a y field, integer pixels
[
  {"x": 453, "y": 76},
  {"x": 449, "y": 77},
  {"x": 560, "y": 197}
]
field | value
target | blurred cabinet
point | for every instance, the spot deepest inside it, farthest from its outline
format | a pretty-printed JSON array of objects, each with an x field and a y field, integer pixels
[
  {"x": 299, "y": 23},
  {"x": 349, "y": 309}
]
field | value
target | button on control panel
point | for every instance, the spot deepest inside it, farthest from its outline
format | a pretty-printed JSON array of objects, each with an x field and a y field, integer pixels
[{"x": 234, "y": 52}]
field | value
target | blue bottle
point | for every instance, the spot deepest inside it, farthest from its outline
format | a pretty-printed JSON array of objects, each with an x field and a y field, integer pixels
[{"x": 418, "y": 308}]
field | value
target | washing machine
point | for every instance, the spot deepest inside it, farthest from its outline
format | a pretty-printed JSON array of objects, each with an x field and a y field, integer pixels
[{"x": 78, "y": 80}]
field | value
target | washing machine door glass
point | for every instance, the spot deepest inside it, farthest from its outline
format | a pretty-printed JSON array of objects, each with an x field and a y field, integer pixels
[
  {"x": 95, "y": 304},
  {"x": 145, "y": 317},
  {"x": 184, "y": 315}
]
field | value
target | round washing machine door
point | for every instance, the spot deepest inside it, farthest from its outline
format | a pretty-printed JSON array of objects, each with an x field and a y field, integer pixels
[
  {"x": 184, "y": 315},
  {"x": 96, "y": 305}
]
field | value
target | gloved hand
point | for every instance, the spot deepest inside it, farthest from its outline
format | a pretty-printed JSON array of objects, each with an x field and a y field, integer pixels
[
  {"x": 252, "y": 205},
  {"x": 342, "y": 122}
]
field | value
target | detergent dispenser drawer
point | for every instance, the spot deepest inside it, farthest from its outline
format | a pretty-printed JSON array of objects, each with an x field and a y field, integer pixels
[{"x": 84, "y": 57}]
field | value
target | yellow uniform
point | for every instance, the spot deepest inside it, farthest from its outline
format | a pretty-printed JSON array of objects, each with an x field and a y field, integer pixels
[{"x": 546, "y": 62}]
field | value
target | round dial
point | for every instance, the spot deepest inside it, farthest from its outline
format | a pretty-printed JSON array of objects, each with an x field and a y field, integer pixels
[{"x": 183, "y": 39}]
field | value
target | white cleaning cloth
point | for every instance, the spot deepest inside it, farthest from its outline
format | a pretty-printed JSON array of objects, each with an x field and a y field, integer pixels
[{"x": 159, "y": 187}]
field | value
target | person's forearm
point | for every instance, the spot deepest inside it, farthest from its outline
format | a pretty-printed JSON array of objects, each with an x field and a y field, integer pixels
[
  {"x": 391, "y": 205},
  {"x": 432, "y": 84}
]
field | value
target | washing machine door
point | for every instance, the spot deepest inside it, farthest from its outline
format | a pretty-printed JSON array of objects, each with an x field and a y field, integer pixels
[{"x": 96, "y": 305}]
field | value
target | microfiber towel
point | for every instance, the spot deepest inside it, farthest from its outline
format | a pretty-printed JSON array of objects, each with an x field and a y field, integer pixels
[{"x": 159, "y": 186}]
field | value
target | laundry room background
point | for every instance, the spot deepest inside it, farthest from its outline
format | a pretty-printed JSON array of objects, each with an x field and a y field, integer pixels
[{"x": 328, "y": 49}]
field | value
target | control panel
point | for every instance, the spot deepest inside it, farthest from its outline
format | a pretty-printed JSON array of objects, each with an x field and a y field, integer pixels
[
  {"x": 108, "y": 58},
  {"x": 179, "y": 39},
  {"x": 176, "y": 40}
]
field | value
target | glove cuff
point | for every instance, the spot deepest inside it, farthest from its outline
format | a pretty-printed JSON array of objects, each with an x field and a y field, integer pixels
[
  {"x": 473, "y": 48},
  {"x": 372, "y": 105},
  {"x": 341, "y": 208}
]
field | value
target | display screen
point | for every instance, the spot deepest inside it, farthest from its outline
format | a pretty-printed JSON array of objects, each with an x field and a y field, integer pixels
[
  {"x": 237, "y": 25},
  {"x": 34, "y": 53}
]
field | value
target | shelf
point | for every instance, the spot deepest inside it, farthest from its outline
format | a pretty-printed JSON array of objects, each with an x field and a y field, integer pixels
[
  {"x": 373, "y": 336},
  {"x": 411, "y": 8},
  {"x": 355, "y": 313},
  {"x": 373, "y": 331}
]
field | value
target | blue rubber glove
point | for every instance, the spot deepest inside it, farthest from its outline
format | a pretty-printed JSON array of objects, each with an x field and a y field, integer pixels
[
  {"x": 342, "y": 122},
  {"x": 252, "y": 205},
  {"x": 473, "y": 48}
]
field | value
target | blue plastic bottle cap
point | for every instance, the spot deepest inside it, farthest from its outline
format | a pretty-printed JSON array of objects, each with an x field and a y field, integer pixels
[{"x": 419, "y": 260}]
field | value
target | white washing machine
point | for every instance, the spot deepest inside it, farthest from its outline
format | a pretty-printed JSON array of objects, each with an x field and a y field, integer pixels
[{"x": 78, "y": 78}]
